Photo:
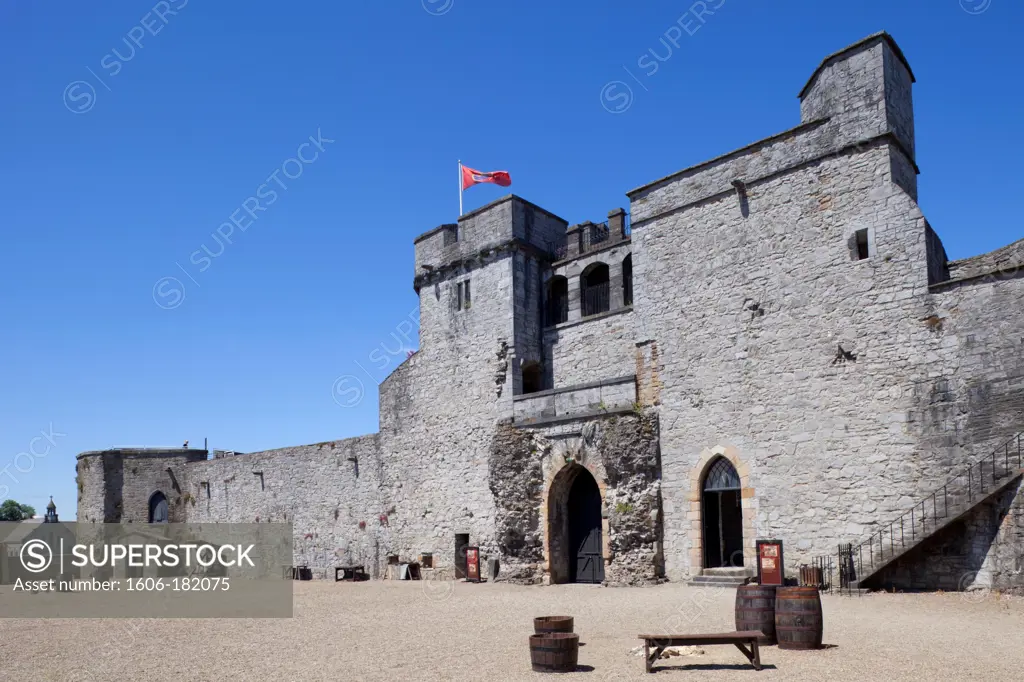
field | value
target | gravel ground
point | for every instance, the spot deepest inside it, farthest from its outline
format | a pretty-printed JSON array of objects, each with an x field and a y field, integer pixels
[{"x": 448, "y": 631}]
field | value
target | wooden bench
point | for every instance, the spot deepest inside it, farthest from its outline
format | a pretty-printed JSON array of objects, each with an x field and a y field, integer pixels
[
  {"x": 660, "y": 642},
  {"x": 351, "y": 573}
]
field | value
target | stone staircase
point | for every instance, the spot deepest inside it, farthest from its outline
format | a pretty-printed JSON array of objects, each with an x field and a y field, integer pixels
[
  {"x": 722, "y": 577},
  {"x": 972, "y": 486}
]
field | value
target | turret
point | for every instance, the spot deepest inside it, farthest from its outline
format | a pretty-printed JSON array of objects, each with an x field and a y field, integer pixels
[{"x": 866, "y": 88}]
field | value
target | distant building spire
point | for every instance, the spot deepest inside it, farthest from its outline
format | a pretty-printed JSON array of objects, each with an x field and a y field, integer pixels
[{"x": 51, "y": 512}]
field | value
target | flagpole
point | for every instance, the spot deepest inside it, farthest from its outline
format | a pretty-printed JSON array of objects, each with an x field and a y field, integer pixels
[{"x": 460, "y": 188}]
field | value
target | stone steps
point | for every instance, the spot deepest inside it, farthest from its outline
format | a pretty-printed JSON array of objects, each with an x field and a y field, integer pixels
[
  {"x": 720, "y": 577},
  {"x": 876, "y": 558}
]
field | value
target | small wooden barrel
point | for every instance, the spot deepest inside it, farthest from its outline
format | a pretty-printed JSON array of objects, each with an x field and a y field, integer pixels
[
  {"x": 798, "y": 621},
  {"x": 755, "y": 610},
  {"x": 546, "y": 624},
  {"x": 554, "y": 652}
]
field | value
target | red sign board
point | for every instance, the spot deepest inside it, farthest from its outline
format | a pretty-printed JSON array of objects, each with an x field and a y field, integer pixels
[
  {"x": 770, "y": 568},
  {"x": 473, "y": 564}
]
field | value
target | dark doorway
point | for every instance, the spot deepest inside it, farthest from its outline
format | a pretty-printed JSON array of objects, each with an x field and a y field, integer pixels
[
  {"x": 556, "y": 305},
  {"x": 594, "y": 297},
  {"x": 158, "y": 508},
  {"x": 533, "y": 377},
  {"x": 722, "y": 515},
  {"x": 461, "y": 542},
  {"x": 586, "y": 562}
]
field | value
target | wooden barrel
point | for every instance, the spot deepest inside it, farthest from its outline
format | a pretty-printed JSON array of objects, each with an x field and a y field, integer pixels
[
  {"x": 755, "y": 610},
  {"x": 554, "y": 652},
  {"x": 546, "y": 624},
  {"x": 798, "y": 622}
]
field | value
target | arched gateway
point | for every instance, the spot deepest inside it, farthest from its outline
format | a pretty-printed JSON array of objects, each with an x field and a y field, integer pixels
[
  {"x": 575, "y": 541},
  {"x": 722, "y": 515}
]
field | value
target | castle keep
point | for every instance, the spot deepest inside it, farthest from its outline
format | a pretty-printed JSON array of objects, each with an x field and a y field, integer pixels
[{"x": 770, "y": 344}]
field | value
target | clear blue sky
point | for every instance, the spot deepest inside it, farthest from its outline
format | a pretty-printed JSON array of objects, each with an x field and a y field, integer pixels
[{"x": 108, "y": 190}]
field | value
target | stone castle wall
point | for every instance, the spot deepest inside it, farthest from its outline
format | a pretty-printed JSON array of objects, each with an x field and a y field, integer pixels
[
  {"x": 589, "y": 350},
  {"x": 329, "y": 492},
  {"x": 842, "y": 389}
]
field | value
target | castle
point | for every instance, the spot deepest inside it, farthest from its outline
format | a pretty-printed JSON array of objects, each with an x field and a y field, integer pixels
[{"x": 770, "y": 344}]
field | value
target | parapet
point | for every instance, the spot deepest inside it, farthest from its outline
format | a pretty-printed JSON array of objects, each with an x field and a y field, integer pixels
[
  {"x": 508, "y": 222},
  {"x": 585, "y": 237},
  {"x": 192, "y": 454}
]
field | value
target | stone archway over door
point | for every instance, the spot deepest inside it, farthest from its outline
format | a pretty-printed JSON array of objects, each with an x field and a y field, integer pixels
[
  {"x": 575, "y": 534},
  {"x": 586, "y": 563},
  {"x": 722, "y": 516}
]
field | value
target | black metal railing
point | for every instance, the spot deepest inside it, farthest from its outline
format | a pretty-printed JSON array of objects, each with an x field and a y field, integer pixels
[
  {"x": 956, "y": 496},
  {"x": 595, "y": 299},
  {"x": 845, "y": 564},
  {"x": 556, "y": 311},
  {"x": 595, "y": 236}
]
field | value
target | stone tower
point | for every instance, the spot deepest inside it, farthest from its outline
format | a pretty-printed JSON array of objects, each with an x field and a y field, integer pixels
[
  {"x": 481, "y": 278},
  {"x": 864, "y": 92}
]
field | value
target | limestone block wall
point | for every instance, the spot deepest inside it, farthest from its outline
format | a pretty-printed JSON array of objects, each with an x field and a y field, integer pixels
[
  {"x": 748, "y": 339},
  {"x": 536, "y": 226},
  {"x": 118, "y": 484},
  {"x": 865, "y": 85},
  {"x": 971, "y": 399},
  {"x": 438, "y": 411},
  {"x": 330, "y": 493},
  {"x": 596, "y": 348},
  {"x": 528, "y": 303},
  {"x": 92, "y": 490},
  {"x": 571, "y": 400}
]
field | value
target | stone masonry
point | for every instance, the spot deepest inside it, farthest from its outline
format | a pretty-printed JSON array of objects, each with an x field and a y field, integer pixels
[{"x": 784, "y": 311}]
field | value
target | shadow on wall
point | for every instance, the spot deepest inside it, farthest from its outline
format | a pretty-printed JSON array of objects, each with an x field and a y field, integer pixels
[{"x": 980, "y": 550}]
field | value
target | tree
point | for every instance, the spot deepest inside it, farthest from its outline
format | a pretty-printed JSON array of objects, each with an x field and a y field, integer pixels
[{"x": 13, "y": 511}]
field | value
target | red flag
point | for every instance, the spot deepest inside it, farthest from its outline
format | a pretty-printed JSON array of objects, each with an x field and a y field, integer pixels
[{"x": 472, "y": 177}]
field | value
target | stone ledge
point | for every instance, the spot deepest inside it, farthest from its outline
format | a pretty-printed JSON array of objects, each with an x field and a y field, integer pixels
[
  {"x": 1012, "y": 272},
  {"x": 729, "y": 155},
  {"x": 589, "y": 318},
  {"x": 795, "y": 166},
  {"x": 579, "y": 416},
  {"x": 577, "y": 387},
  {"x": 144, "y": 452}
]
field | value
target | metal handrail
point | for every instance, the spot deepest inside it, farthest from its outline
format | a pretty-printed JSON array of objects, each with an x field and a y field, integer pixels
[
  {"x": 595, "y": 299},
  {"x": 1004, "y": 449}
]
